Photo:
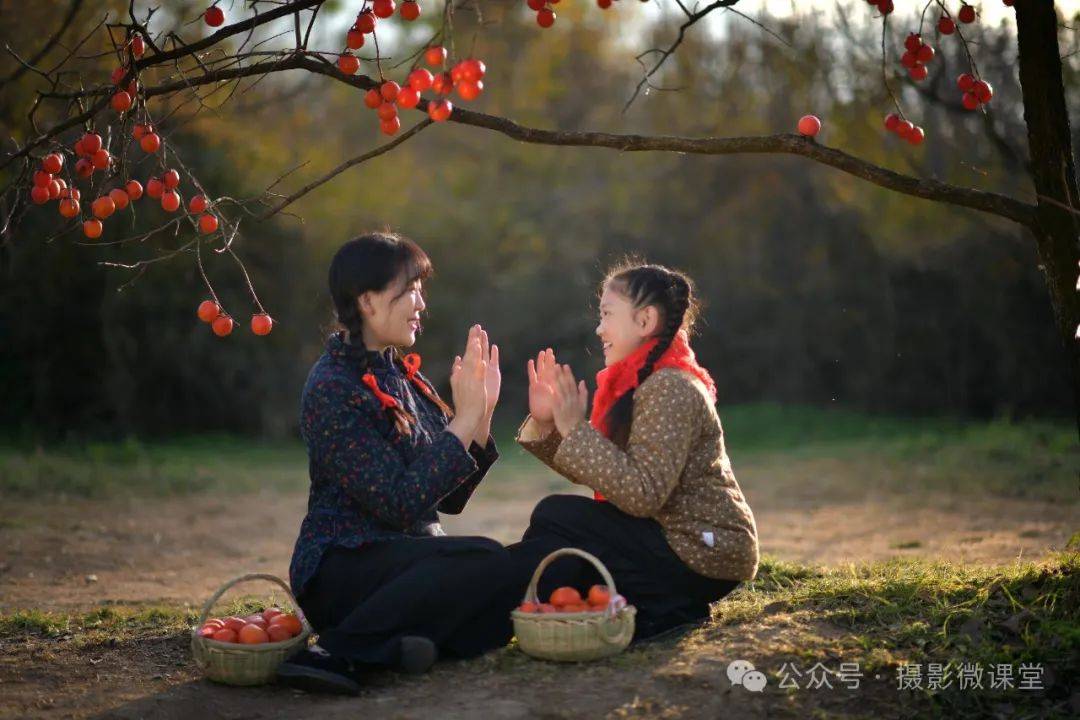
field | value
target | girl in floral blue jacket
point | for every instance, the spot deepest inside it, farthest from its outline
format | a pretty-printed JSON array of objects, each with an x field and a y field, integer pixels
[{"x": 372, "y": 569}]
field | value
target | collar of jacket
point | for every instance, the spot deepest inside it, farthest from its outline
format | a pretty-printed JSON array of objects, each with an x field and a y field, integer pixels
[{"x": 376, "y": 361}]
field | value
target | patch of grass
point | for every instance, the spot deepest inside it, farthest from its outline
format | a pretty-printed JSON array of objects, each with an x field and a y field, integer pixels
[
  {"x": 1029, "y": 458},
  {"x": 771, "y": 427},
  {"x": 122, "y": 622},
  {"x": 911, "y": 611},
  {"x": 179, "y": 467},
  {"x": 36, "y": 622}
]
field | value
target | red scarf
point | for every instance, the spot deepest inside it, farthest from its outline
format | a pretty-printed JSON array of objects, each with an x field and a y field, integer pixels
[{"x": 615, "y": 381}]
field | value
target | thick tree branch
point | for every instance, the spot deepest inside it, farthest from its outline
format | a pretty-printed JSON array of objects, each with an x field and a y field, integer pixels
[
  {"x": 251, "y": 23},
  {"x": 989, "y": 202}
]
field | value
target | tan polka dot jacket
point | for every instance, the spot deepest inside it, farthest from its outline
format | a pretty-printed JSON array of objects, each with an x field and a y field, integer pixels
[{"x": 674, "y": 469}]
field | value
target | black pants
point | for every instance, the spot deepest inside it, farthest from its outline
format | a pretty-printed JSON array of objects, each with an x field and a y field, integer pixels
[
  {"x": 455, "y": 591},
  {"x": 647, "y": 572}
]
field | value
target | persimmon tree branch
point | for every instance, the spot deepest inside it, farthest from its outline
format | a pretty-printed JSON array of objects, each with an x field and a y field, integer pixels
[
  {"x": 989, "y": 202},
  {"x": 934, "y": 190},
  {"x": 189, "y": 50},
  {"x": 283, "y": 10}
]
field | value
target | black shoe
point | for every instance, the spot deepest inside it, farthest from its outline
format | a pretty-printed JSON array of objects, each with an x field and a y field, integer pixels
[
  {"x": 418, "y": 654},
  {"x": 316, "y": 670}
]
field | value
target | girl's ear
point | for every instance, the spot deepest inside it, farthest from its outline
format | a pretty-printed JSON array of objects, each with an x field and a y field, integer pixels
[
  {"x": 367, "y": 308},
  {"x": 648, "y": 320}
]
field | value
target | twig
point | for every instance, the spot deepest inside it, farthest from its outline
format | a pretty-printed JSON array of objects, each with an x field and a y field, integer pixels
[{"x": 345, "y": 166}]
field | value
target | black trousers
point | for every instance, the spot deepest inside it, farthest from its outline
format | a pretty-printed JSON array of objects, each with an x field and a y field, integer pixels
[
  {"x": 647, "y": 572},
  {"x": 455, "y": 591}
]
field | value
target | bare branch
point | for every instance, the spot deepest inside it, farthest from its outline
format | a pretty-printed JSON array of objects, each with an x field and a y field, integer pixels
[
  {"x": 345, "y": 166},
  {"x": 283, "y": 10},
  {"x": 37, "y": 57},
  {"x": 665, "y": 54}
]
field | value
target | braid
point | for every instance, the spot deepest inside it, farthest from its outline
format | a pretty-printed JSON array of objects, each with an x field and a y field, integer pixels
[
  {"x": 678, "y": 301},
  {"x": 425, "y": 389},
  {"x": 671, "y": 293},
  {"x": 348, "y": 316},
  {"x": 403, "y": 419}
]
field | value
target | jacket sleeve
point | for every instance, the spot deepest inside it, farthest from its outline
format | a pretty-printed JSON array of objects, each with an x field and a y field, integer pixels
[
  {"x": 342, "y": 437},
  {"x": 667, "y": 419},
  {"x": 485, "y": 457},
  {"x": 542, "y": 448}
]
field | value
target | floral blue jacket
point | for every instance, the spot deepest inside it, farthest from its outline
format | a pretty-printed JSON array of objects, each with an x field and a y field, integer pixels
[{"x": 369, "y": 482}]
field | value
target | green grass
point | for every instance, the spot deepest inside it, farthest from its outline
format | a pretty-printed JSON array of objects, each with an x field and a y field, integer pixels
[
  {"x": 122, "y": 621},
  {"x": 177, "y": 467},
  {"x": 1030, "y": 458},
  {"x": 1017, "y": 459},
  {"x": 912, "y": 611},
  {"x": 769, "y": 428}
]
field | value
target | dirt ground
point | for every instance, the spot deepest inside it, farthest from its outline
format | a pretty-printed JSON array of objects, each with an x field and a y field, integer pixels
[{"x": 66, "y": 555}]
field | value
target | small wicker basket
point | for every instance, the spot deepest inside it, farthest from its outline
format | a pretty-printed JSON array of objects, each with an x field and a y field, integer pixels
[
  {"x": 236, "y": 664},
  {"x": 573, "y": 637}
]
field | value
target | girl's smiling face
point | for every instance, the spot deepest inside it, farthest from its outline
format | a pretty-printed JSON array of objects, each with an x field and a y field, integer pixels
[
  {"x": 392, "y": 316},
  {"x": 623, "y": 328}
]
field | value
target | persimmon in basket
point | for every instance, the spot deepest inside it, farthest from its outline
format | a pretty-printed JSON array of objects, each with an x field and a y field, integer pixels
[
  {"x": 270, "y": 625},
  {"x": 568, "y": 599}
]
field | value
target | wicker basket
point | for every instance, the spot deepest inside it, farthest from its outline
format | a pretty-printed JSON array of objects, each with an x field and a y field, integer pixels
[
  {"x": 573, "y": 637},
  {"x": 236, "y": 664}
]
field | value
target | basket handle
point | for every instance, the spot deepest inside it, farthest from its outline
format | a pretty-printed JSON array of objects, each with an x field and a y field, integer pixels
[
  {"x": 604, "y": 631},
  {"x": 246, "y": 578},
  {"x": 530, "y": 592}
]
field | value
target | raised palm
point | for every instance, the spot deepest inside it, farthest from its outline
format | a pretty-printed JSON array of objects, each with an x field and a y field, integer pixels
[
  {"x": 483, "y": 352},
  {"x": 493, "y": 375},
  {"x": 542, "y": 380},
  {"x": 468, "y": 380}
]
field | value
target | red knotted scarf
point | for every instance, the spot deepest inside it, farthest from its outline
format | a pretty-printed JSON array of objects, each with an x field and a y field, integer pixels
[{"x": 616, "y": 380}]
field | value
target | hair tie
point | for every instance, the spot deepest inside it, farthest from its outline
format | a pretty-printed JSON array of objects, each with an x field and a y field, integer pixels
[
  {"x": 385, "y": 399},
  {"x": 412, "y": 365}
]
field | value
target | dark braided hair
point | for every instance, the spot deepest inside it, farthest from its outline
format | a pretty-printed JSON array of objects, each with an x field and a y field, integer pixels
[
  {"x": 672, "y": 294},
  {"x": 369, "y": 263}
]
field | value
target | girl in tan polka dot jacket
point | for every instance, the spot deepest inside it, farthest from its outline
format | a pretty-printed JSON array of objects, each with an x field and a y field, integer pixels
[{"x": 668, "y": 518}]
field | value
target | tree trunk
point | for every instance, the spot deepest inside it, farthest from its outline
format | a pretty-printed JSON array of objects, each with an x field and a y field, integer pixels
[{"x": 1052, "y": 170}]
